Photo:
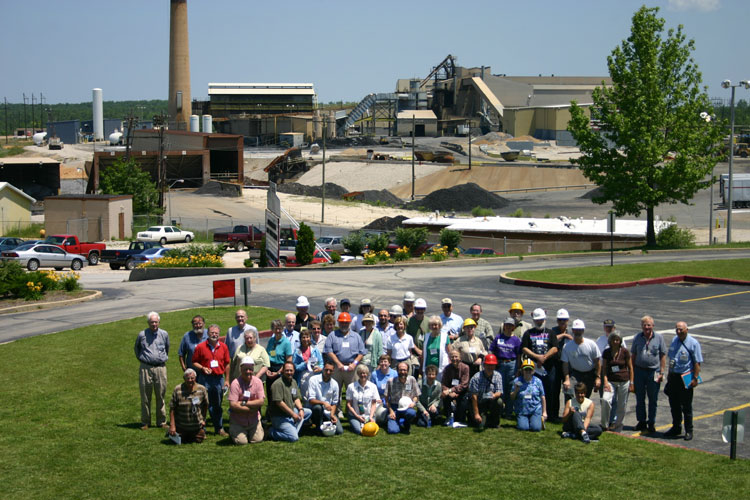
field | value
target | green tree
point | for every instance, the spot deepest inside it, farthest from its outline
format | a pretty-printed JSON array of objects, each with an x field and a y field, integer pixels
[
  {"x": 652, "y": 146},
  {"x": 305, "y": 245},
  {"x": 354, "y": 242},
  {"x": 411, "y": 237},
  {"x": 450, "y": 238},
  {"x": 126, "y": 178}
]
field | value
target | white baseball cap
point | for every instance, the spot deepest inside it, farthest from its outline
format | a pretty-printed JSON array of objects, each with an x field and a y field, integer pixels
[
  {"x": 538, "y": 314},
  {"x": 302, "y": 301},
  {"x": 578, "y": 325}
]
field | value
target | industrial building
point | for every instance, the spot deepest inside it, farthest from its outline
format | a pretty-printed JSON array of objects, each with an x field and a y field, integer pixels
[
  {"x": 232, "y": 99},
  {"x": 194, "y": 157},
  {"x": 91, "y": 217},
  {"x": 15, "y": 208},
  {"x": 78, "y": 131},
  {"x": 37, "y": 177}
]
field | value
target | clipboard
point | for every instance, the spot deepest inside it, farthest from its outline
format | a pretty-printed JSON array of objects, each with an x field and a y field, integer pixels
[{"x": 687, "y": 378}]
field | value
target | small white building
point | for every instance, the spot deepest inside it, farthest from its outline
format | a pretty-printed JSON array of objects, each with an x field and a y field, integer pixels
[
  {"x": 15, "y": 208},
  {"x": 424, "y": 122}
]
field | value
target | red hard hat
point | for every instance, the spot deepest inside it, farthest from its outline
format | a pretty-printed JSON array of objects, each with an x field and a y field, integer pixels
[
  {"x": 344, "y": 316},
  {"x": 490, "y": 359}
]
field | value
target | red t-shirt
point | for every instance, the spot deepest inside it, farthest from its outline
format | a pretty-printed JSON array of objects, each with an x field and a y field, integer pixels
[{"x": 216, "y": 359}]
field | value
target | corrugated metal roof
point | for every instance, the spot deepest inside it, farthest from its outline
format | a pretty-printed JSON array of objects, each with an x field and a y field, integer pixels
[
  {"x": 419, "y": 114},
  {"x": 559, "y": 225},
  {"x": 261, "y": 89}
]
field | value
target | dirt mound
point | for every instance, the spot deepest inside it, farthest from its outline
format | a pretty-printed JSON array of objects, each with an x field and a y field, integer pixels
[
  {"x": 597, "y": 191},
  {"x": 383, "y": 196},
  {"x": 385, "y": 223},
  {"x": 218, "y": 188},
  {"x": 491, "y": 138},
  {"x": 461, "y": 198},
  {"x": 332, "y": 190}
]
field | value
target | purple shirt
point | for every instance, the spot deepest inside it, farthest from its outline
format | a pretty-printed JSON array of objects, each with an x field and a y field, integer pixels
[{"x": 506, "y": 347}]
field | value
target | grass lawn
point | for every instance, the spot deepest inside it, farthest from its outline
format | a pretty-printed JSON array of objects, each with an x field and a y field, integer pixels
[
  {"x": 71, "y": 417},
  {"x": 738, "y": 269}
]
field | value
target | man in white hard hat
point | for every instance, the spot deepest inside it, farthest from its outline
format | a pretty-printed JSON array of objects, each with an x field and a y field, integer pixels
[
  {"x": 418, "y": 327},
  {"x": 303, "y": 317},
  {"x": 563, "y": 334},
  {"x": 408, "y": 304},
  {"x": 246, "y": 397},
  {"x": 580, "y": 360}
]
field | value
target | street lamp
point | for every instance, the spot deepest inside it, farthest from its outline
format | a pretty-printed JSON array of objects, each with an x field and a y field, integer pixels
[
  {"x": 169, "y": 197},
  {"x": 708, "y": 119},
  {"x": 727, "y": 84}
]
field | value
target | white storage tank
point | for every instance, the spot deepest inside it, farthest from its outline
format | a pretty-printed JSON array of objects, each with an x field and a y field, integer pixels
[
  {"x": 98, "y": 111},
  {"x": 115, "y": 138},
  {"x": 195, "y": 123},
  {"x": 207, "y": 124},
  {"x": 39, "y": 138}
]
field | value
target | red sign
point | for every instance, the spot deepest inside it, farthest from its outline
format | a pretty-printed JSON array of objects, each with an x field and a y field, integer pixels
[{"x": 223, "y": 289}]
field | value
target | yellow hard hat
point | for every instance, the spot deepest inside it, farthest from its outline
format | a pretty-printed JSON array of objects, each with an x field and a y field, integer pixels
[
  {"x": 516, "y": 306},
  {"x": 370, "y": 429},
  {"x": 470, "y": 322},
  {"x": 527, "y": 363}
]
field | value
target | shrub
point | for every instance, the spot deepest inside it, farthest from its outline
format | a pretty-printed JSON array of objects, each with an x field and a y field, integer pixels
[
  {"x": 11, "y": 273},
  {"x": 450, "y": 239},
  {"x": 194, "y": 249},
  {"x": 370, "y": 258},
  {"x": 520, "y": 213},
  {"x": 675, "y": 237},
  {"x": 335, "y": 257},
  {"x": 305, "y": 245},
  {"x": 263, "y": 257},
  {"x": 248, "y": 263},
  {"x": 354, "y": 242},
  {"x": 378, "y": 242},
  {"x": 482, "y": 212},
  {"x": 412, "y": 237}
]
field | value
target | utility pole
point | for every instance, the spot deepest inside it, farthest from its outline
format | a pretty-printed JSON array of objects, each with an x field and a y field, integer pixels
[
  {"x": 41, "y": 111},
  {"x": 159, "y": 121},
  {"x": 470, "y": 146},
  {"x": 413, "y": 133},
  {"x": 129, "y": 137},
  {"x": 33, "y": 127},
  {"x": 323, "y": 197},
  {"x": 5, "y": 99},
  {"x": 25, "y": 123}
]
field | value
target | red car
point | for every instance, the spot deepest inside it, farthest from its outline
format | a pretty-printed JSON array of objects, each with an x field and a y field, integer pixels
[{"x": 291, "y": 261}]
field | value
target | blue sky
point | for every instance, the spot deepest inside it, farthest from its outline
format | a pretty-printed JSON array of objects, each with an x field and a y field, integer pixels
[{"x": 346, "y": 48}]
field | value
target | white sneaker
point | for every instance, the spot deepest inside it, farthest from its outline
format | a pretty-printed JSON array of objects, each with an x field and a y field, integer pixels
[{"x": 458, "y": 425}]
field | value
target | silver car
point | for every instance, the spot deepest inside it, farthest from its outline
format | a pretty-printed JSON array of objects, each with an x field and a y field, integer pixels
[{"x": 37, "y": 255}]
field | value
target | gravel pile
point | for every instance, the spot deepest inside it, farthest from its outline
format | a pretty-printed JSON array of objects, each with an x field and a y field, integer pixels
[
  {"x": 332, "y": 190},
  {"x": 461, "y": 198},
  {"x": 382, "y": 196},
  {"x": 385, "y": 223},
  {"x": 217, "y": 188}
]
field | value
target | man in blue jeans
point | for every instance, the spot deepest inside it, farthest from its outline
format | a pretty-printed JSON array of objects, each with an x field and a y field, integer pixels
[
  {"x": 285, "y": 408},
  {"x": 507, "y": 348},
  {"x": 401, "y": 396},
  {"x": 648, "y": 352}
]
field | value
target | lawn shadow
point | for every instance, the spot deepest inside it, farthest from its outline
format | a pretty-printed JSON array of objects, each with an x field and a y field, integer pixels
[{"x": 133, "y": 425}]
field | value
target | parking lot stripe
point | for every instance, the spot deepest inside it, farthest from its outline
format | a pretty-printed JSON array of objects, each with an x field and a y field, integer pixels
[
  {"x": 703, "y": 325},
  {"x": 714, "y": 297},
  {"x": 700, "y": 417}
]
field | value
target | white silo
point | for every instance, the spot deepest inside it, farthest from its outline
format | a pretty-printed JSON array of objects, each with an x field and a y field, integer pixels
[
  {"x": 195, "y": 123},
  {"x": 207, "y": 124},
  {"x": 98, "y": 114}
]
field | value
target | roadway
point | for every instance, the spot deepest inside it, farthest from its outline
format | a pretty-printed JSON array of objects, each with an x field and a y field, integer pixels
[{"x": 718, "y": 313}]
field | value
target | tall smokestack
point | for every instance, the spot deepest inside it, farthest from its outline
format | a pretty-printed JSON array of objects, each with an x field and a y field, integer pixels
[{"x": 180, "y": 103}]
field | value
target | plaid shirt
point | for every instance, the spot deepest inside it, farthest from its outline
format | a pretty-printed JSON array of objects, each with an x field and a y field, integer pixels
[{"x": 481, "y": 385}]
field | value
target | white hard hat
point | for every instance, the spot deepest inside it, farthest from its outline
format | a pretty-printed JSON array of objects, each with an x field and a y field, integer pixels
[
  {"x": 420, "y": 304},
  {"x": 328, "y": 429},
  {"x": 578, "y": 325},
  {"x": 404, "y": 403},
  {"x": 302, "y": 301},
  {"x": 538, "y": 314},
  {"x": 563, "y": 314}
]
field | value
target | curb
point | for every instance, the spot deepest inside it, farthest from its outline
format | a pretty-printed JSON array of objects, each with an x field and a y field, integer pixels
[
  {"x": 51, "y": 305},
  {"x": 625, "y": 284}
]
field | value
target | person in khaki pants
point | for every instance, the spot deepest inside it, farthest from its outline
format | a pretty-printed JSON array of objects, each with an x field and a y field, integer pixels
[
  {"x": 246, "y": 397},
  {"x": 152, "y": 350}
]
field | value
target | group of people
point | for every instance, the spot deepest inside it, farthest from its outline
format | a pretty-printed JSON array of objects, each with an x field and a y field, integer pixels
[{"x": 399, "y": 367}]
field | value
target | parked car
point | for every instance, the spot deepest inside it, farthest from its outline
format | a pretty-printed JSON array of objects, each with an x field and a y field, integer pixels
[
  {"x": 34, "y": 256},
  {"x": 165, "y": 234},
  {"x": 123, "y": 257},
  {"x": 479, "y": 251},
  {"x": 240, "y": 237},
  {"x": 331, "y": 243},
  {"x": 70, "y": 243},
  {"x": 148, "y": 255},
  {"x": 9, "y": 243},
  {"x": 291, "y": 260}
]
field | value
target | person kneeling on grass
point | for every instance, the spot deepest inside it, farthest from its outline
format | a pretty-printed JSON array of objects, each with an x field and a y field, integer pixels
[
  {"x": 187, "y": 410},
  {"x": 285, "y": 408},
  {"x": 401, "y": 396},
  {"x": 577, "y": 417},
  {"x": 246, "y": 397},
  {"x": 531, "y": 403},
  {"x": 428, "y": 405}
]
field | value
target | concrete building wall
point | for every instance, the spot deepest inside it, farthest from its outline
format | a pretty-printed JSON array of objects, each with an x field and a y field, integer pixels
[{"x": 101, "y": 213}]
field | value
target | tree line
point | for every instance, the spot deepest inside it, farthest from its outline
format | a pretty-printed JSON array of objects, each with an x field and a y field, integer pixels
[{"x": 13, "y": 113}]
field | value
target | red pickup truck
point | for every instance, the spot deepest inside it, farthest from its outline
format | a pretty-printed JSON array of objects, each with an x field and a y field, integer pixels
[
  {"x": 70, "y": 243},
  {"x": 240, "y": 237}
]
